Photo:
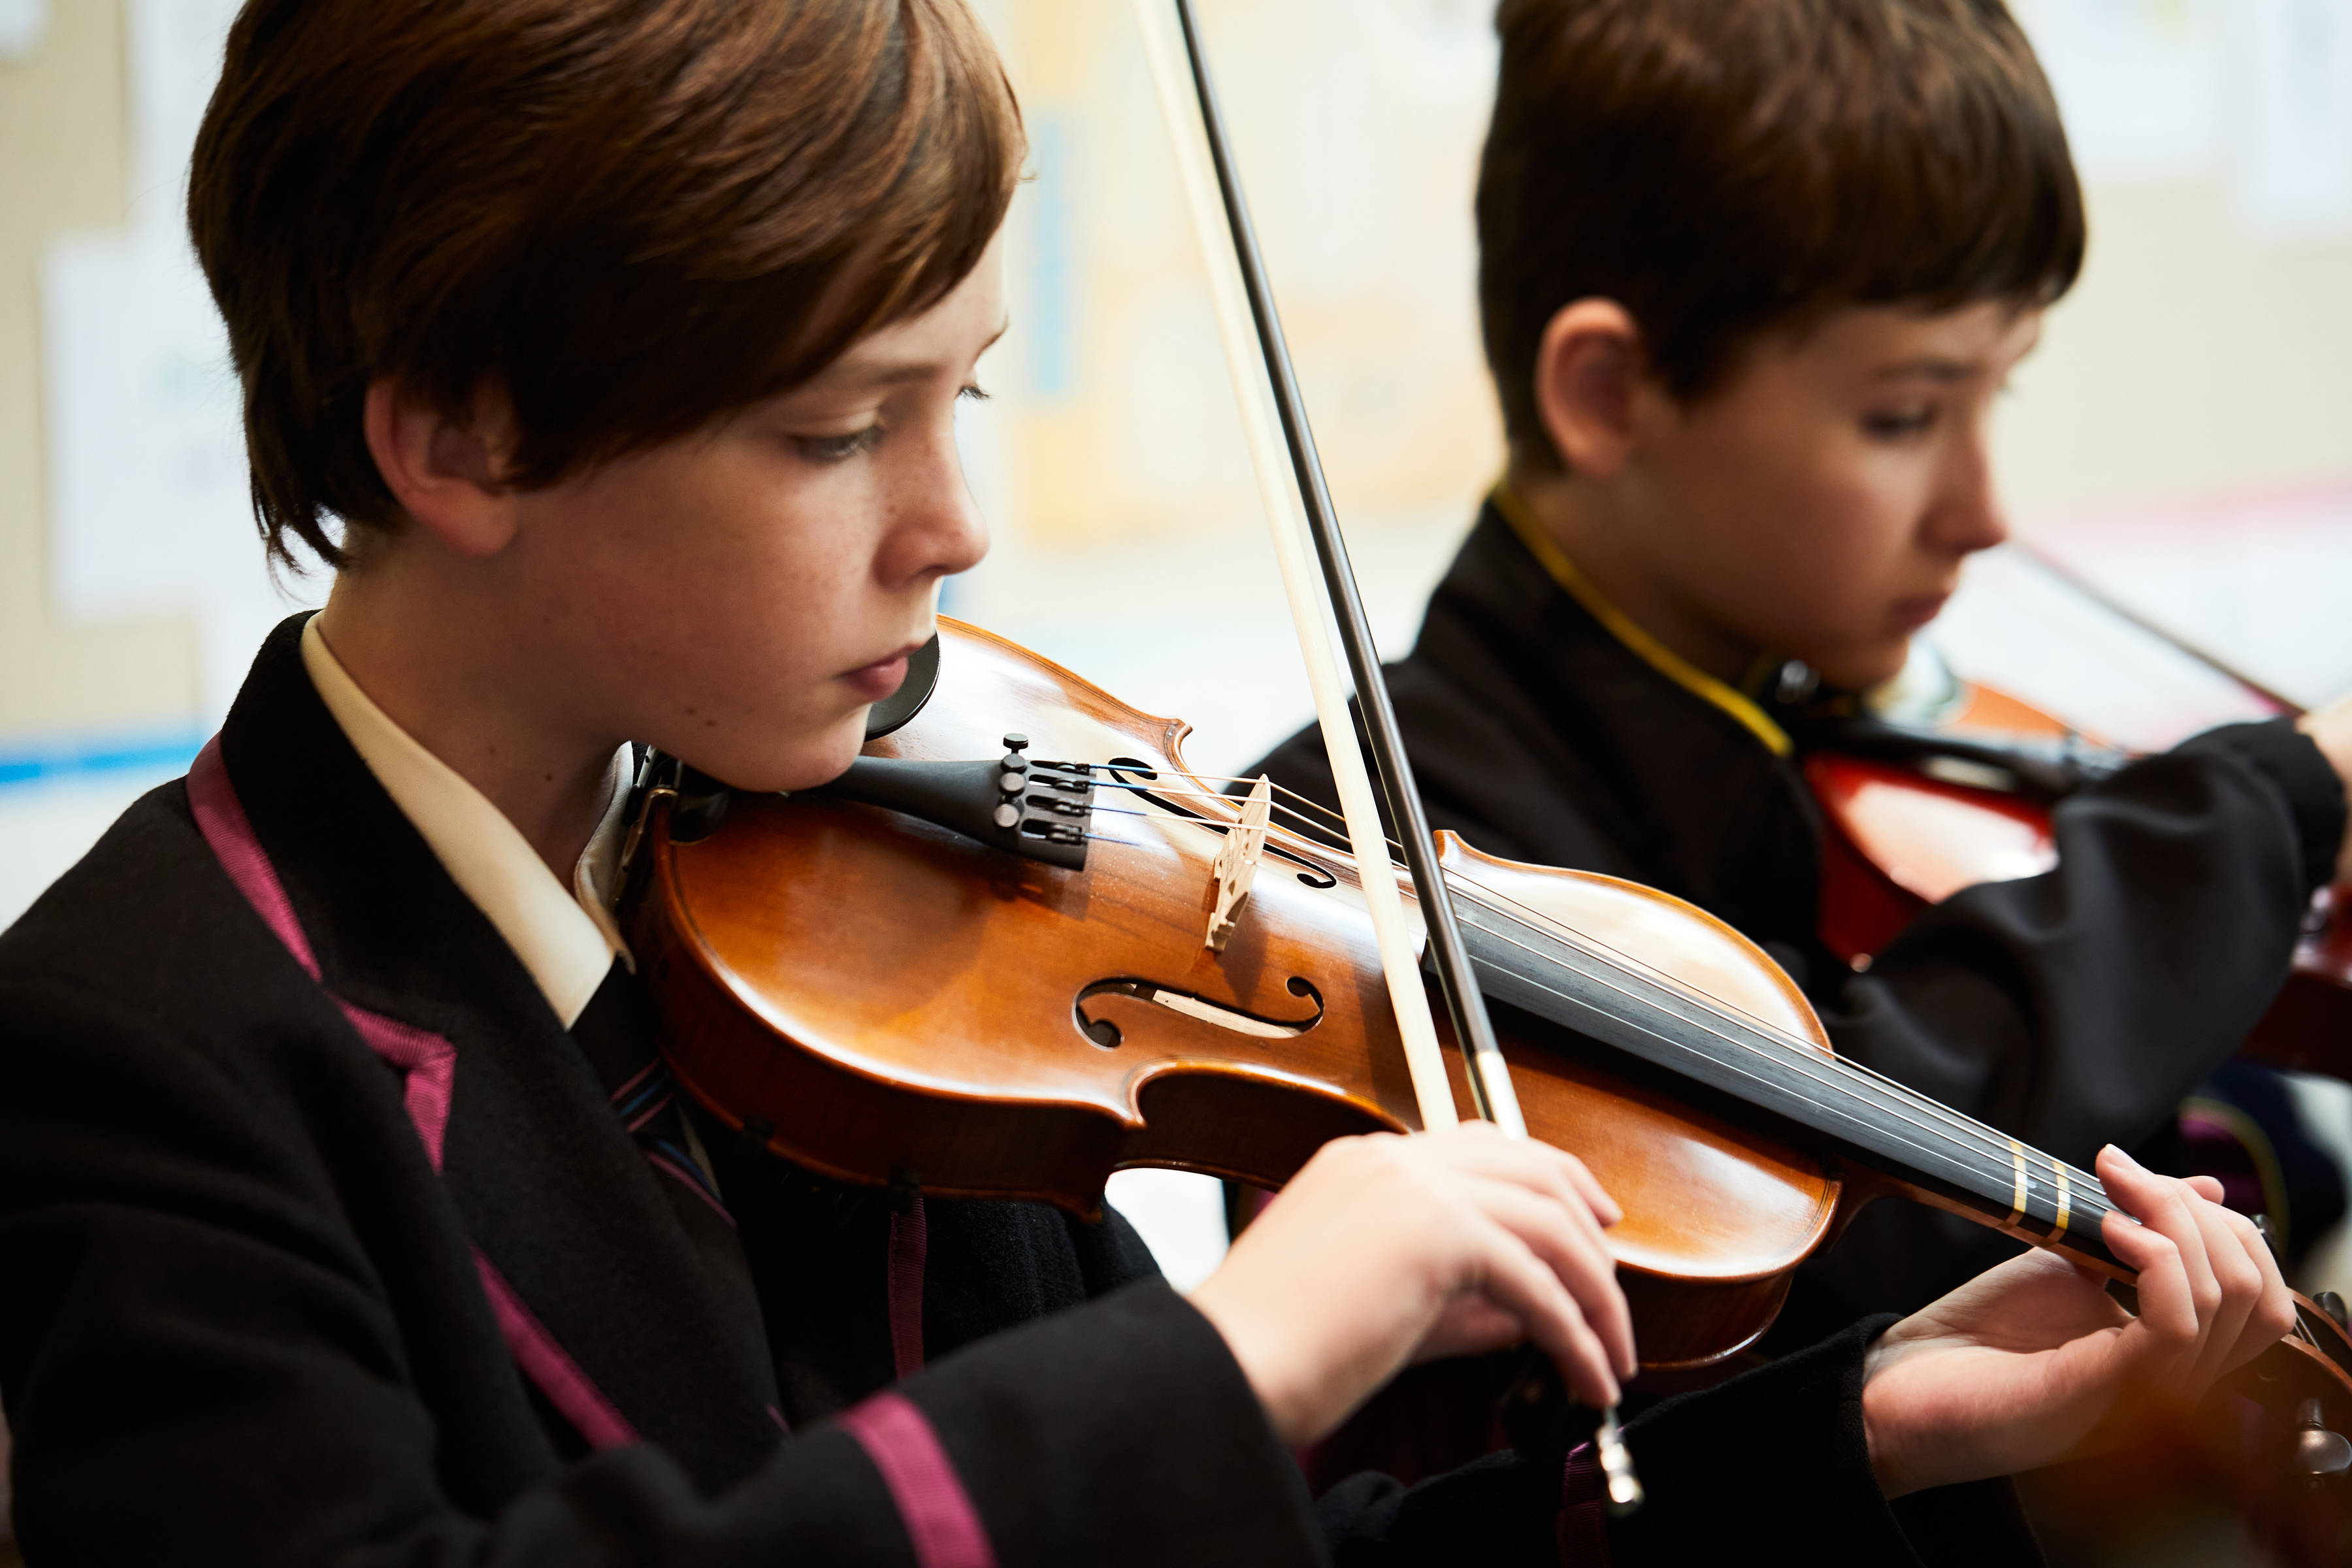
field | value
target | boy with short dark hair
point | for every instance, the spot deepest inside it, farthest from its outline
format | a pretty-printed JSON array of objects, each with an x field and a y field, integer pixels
[
  {"x": 350, "y": 1213},
  {"x": 1751, "y": 272}
]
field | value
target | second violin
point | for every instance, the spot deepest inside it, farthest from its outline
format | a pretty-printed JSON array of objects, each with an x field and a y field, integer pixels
[{"x": 1959, "y": 790}]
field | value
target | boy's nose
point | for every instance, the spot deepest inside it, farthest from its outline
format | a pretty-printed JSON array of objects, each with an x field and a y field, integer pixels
[
  {"x": 940, "y": 531},
  {"x": 1967, "y": 515},
  {"x": 1976, "y": 526}
]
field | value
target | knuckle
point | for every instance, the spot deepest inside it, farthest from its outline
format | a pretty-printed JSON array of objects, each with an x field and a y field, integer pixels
[
  {"x": 1336, "y": 1155},
  {"x": 1374, "y": 1155}
]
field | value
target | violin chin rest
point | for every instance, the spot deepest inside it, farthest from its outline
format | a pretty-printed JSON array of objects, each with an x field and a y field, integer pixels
[{"x": 896, "y": 711}]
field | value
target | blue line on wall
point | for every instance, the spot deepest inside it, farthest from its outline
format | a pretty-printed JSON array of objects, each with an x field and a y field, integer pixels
[
  {"x": 1053, "y": 326},
  {"x": 148, "y": 751}
]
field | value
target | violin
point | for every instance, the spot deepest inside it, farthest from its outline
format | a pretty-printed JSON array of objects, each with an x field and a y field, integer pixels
[
  {"x": 1960, "y": 791},
  {"x": 966, "y": 969}
]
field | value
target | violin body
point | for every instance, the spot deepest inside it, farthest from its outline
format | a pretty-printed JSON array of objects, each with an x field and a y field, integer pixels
[
  {"x": 1900, "y": 840},
  {"x": 934, "y": 995}
]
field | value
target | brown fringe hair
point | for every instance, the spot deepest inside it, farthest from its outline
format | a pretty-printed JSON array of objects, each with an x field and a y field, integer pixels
[
  {"x": 632, "y": 215},
  {"x": 1725, "y": 167}
]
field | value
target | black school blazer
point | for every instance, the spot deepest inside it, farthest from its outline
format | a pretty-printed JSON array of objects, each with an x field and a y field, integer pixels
[
  {"x": 2070, "y": 1010},
  {"x": 251, "y": 1314}
]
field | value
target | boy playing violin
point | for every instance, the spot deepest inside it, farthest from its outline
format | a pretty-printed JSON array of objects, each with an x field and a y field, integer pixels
[
  {"x": 1751, "y": 272},
  {"x": 348, "y": 1213}
]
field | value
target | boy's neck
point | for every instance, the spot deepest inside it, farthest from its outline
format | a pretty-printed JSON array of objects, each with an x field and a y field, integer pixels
[
  {"x": 1598, "y": 532},
  {"x": 448, "y": 673}
]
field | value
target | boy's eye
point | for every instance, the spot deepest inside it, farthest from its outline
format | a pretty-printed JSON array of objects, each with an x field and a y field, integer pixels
[
  {"x": 1895, "y": 424},
  {"x": 838, "y": 448}
]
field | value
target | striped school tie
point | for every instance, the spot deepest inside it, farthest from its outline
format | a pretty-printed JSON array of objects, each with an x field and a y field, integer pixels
[{"x": 619, "y": 1032}]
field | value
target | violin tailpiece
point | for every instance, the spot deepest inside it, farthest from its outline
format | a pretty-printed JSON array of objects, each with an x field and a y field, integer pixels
[{"x": 1039, "y": 810}]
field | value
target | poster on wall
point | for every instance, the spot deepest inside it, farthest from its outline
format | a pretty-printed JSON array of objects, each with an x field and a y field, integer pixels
[
  {"x": 2139, "y": 82},
  {"x": 2295, "y": 158},
  {"x": 2257, "y": 93},
  {"x": 149, "y": 506}
]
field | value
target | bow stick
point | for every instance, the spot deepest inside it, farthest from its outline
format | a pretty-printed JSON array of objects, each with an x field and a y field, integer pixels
[
  {"x": 1237, "y": 275},
  {"x": 2195, "y": 652}
]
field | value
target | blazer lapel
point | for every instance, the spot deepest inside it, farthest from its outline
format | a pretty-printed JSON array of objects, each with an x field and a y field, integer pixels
[{"x": 559, "y": 1200}]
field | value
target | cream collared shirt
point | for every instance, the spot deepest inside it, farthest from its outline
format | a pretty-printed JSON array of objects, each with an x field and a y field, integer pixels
[{"x": 565, "y": 937}]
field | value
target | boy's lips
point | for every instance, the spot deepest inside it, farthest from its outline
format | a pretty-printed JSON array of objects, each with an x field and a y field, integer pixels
[
  {"x": 1916, "y": 611},
  {"x": 878, "y": 680}
]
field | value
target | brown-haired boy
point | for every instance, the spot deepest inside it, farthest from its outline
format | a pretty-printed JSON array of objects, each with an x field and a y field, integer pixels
[
  {"x": 1751, "y": 272},
  {"x": 349, "y": 1215}
]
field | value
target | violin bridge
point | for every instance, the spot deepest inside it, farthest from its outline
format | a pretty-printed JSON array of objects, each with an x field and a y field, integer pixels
[{"x": 1235, "y": 867}]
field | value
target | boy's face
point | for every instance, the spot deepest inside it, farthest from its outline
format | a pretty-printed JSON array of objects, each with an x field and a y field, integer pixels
[
  {"x": 738, "y": 596},
  {"x": 1820, "y": 505}
]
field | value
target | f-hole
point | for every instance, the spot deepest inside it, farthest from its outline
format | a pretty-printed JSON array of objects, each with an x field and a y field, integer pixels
[
  {"x": 1145, "y": 774},
  {"x": 1257, "y": 1025}
]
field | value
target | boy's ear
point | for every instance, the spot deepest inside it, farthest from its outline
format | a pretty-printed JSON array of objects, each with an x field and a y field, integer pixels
[
  {"x": 1587, "y": 366},
  {"x": 448, "y": 476}
]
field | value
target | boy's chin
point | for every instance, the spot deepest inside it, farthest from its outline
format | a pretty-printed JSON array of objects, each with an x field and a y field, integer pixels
[
  {"x": 817, "y": 759},
  {"x": 1861, "y": 669}
]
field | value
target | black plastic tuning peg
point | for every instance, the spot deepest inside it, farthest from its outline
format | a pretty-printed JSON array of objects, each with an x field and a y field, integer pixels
[{"x": 2319, "y": 1454}]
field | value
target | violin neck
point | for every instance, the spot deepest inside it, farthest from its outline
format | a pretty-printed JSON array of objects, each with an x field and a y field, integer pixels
[{"x": 1786, "y": 1086}]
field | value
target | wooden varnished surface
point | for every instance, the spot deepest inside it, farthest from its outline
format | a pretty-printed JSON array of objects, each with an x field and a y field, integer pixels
[
  {"x": 1931, "y": 840},
  {"x": 1710, "y": 1198},
  {"x": 929, "y": 987}
]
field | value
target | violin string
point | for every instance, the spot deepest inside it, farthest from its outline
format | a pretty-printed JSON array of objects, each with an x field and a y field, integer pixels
[
  {"x": 1972, "y": 1136},
  {"x": 1613, "y": 957},
  {"x": 1286, "y": 809},
  {"x": 1987, "y": 1139},
  {"x": 1724, "y": 1009},
  {"x": 1900, "y": 1099},
  {"x": 1929, "y": 1147},
  {"x": 1805, "y": 1059},
  {"x": 1616, "y": 958},
  {"x": 1989, "y": 1145},
  {"x": 1120, "y": 781},
  {"x": 1990, "y": 1142}
]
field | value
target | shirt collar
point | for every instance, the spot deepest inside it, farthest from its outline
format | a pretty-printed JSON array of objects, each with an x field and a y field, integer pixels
[
  {"x": 1618, "y": 625},
  {"x": 565, "y": 937}
]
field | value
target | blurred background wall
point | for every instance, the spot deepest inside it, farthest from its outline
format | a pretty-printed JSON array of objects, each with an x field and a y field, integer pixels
[{"x": 2184, "y": 435}]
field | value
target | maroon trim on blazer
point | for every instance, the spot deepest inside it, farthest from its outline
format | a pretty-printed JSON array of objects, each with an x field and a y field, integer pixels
[
  {"x": 909, "y": 1236},
  {"x": 1581, "y": 1532},
  {"x": 545, "y": 1363},
  {"x": 220, "y": 817},
  {"x": 940, "y": 1521},
  {"x": 428, "y": 1066},
  {"x": 429, "y": 1061}
]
